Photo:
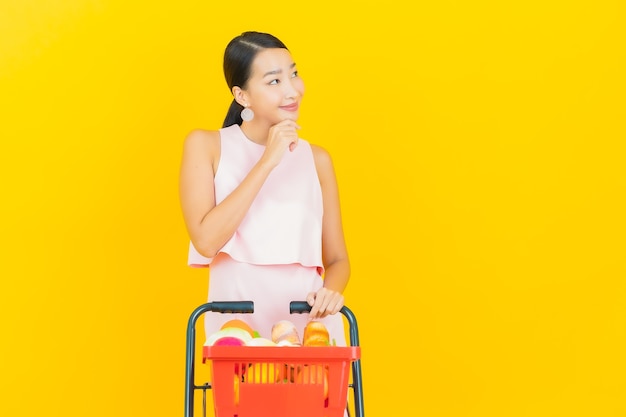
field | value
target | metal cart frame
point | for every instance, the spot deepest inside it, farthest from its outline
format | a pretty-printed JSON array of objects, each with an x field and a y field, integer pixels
[{"x": 248, "y": 307}]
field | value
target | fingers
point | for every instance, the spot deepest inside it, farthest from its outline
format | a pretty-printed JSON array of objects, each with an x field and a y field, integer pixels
[
  {"x": 293, "y": 144},
  {"x": 286, "y": 131},
  {"x": 310, "y": 298},
  {"x": 282, "y": 136},
  {"x": 324, "y": 302}
]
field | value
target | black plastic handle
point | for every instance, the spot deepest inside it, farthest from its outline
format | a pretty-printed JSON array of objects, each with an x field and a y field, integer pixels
[
  {"x": 217, "y": 307},
  {"x": 232, "y": 307},
  {"x": 299, "y": 307}
]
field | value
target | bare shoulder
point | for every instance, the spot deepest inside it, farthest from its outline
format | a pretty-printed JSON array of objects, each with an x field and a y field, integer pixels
[
  {"x": 323, "y": 164},
  {"x": 322, "y": 157},
  {"x": 202, "y": 139}
]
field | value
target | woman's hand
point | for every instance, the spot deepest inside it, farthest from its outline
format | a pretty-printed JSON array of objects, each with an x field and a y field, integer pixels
[
  {"x": 324, "y": 302},
  {"x": 282, "y": 136}
]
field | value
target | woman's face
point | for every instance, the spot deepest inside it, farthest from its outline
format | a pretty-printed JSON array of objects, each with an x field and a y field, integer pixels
[{"x": 274, "y": 89}]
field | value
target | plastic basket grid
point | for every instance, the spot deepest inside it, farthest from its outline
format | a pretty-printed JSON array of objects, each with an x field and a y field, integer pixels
[{"x": 280, "y": 381}]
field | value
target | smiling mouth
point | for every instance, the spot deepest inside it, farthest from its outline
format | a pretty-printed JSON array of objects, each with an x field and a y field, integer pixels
[{"x": 291, "y": 107}]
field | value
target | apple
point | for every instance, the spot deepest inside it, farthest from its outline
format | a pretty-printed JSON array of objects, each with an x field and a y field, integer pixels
[{"x": 229, "y": 341}]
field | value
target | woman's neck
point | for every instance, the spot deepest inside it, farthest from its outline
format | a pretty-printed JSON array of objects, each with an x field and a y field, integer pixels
[{"x": 255, "y": 132}]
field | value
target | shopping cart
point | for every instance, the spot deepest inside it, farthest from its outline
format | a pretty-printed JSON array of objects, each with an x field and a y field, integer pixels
[{"x": 276, "y": 381}]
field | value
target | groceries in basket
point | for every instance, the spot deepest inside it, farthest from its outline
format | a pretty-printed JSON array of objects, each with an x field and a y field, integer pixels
[
  {"x": 284, "y": 333},
  {"x": 237, "y": 332},
  {"x": 253, "y": 375},
  {"x": 316, "y": 334}
]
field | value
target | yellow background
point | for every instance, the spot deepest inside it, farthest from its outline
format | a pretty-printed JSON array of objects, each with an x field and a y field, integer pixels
[{"x": 479, "y": 150}]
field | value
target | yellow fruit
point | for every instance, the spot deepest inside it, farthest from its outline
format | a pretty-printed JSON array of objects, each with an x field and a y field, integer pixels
[
  {"x": 262, "y": 373},
  {"x": 236, "y": 388}
]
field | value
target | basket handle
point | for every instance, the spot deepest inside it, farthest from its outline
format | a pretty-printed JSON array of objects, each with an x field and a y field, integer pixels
[
  {"x": 217, "y": 307},
  {"x": 232, "y": 307},
  {"x": 299, "y": 307}
]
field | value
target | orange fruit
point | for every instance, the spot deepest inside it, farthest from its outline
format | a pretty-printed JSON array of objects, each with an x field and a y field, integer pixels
[
  {"x": 315, "y": 375},
  {"x": 239, "y": 324},
  {"x": 285, "y": 373}
]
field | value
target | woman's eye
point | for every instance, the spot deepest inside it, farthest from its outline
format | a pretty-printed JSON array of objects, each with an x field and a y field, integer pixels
[
  {"x": 295, "y": 74},
  {"x": 273, "y": 82}
]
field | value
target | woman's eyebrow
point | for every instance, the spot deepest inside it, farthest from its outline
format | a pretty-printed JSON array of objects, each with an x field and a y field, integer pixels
[{"x": 277, "y": 71}]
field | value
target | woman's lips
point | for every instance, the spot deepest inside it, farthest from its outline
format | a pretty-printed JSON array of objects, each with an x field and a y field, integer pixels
[{"x": 291, "y": 107}]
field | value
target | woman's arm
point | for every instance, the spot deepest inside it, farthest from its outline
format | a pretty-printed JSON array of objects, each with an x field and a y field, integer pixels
[
  {"x": 210, "y": 225},
  {"x": 329, "y": 299}
]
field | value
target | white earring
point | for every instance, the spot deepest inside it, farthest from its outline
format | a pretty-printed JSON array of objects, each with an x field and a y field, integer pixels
[{"x": 247, "y": 114}]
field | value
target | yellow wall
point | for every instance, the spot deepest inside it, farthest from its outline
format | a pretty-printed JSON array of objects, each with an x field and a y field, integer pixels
[{"x": 479, "y": 149}]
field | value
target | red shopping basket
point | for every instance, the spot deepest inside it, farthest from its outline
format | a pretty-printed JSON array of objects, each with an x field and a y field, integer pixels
[
  {"x": 276, "y": 381},
  {"x": 282, "y": 381}
]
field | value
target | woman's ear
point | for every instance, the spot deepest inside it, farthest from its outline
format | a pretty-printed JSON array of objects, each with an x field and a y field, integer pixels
[{"x": 240, "y": 96}]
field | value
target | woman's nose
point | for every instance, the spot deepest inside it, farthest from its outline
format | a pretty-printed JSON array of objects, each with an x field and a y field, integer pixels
[{"x": 290, "y": 90}]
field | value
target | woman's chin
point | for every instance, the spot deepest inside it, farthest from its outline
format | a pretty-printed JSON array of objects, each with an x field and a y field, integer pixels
[{"x": 291, "y": 115}]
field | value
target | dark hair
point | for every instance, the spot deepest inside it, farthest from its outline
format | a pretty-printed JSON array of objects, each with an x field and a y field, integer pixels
[{"x": 238, "y": 57}]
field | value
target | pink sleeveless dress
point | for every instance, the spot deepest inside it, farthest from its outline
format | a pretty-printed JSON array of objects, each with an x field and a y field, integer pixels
[{"x": 275, "y": 256}]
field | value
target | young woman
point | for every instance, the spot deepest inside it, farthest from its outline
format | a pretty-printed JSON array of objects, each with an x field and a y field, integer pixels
[{"x": 261, "y": 205}]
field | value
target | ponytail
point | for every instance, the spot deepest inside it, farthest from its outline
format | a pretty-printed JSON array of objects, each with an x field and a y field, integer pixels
[{"x": 234, "y": 114}]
